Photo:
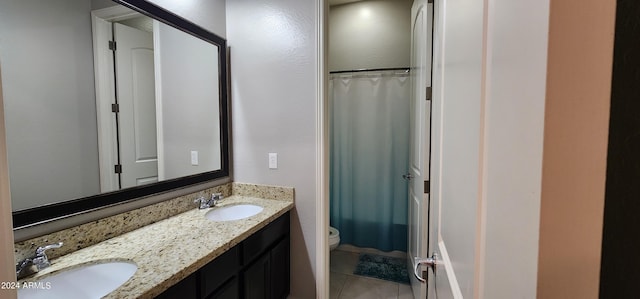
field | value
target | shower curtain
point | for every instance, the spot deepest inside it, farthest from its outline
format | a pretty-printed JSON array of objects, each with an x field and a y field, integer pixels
[{"x": 369, "y": 153}]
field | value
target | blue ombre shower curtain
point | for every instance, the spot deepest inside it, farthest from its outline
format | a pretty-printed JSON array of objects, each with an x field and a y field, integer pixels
[{"x": 369, "y": 153}]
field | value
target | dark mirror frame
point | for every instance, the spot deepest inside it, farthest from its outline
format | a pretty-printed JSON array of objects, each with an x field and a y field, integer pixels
[{"x": 28, "y": 217}]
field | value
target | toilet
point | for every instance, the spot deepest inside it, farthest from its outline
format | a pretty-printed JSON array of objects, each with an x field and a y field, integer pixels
[{"x": 334, "y": 238}]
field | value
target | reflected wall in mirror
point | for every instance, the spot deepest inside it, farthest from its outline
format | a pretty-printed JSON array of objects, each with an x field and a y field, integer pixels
[{"x": 99, "y": 97}]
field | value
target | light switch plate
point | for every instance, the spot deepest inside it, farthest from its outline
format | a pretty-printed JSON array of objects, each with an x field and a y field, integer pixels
[
  {"x": 194, "y": 158},
  {"x": 273, "y": 160}
]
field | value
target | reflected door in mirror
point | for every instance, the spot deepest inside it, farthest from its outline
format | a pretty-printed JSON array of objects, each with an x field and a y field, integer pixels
[{"x": 136, "y": 112}]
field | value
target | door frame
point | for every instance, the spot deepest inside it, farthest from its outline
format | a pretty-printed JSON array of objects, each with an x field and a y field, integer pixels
[
  {"x": 322, "y": 151},
  {"x": 6, "y": 220},
  {"x": 103, "y": 61}
]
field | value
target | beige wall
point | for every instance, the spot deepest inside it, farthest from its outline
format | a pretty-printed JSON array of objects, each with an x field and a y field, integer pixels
[
  {"x": 6, "y": 225},
  {"x": 575, "y": 150},
  {"x": 187, "y": 112},
  {"x": 274, "y": 69},
  {"x": 370, "y": 34},
  {"x": 65, "y": 125}
]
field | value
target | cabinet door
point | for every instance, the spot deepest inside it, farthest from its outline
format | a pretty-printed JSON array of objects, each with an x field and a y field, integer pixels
[
  {"x": 214, "y": 274},
  {"x": 256, "y": 279},
  {"x": 280, "y": 270},
  {"x": 228, "y": 291}
]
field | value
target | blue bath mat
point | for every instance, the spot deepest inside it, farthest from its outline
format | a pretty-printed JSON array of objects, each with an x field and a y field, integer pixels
[{"x": 382, "y": 267}]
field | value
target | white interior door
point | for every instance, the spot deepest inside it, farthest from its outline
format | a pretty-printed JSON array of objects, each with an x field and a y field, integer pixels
[
  {"x": 455, "y": 224},
  {"x": 421, "y": 22},
  {"x": 137, "y": 108},
  {"x": 436, "y": 127}
]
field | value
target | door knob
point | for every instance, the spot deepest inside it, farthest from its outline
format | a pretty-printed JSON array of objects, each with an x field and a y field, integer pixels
[
  {"x": 407, "y": 176},
  {"x": 430, "y": 261}
]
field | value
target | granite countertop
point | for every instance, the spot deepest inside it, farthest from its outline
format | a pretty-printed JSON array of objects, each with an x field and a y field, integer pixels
[{"x": 172, "y": 249}]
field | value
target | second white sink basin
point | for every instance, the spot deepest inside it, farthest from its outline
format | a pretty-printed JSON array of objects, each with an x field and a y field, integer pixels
[
  {"x": 86, "y": 281},
  {"x": 235, "y": 212}
]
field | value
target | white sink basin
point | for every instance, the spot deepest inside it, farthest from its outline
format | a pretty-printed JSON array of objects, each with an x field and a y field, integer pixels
[
  {"x": 86, "y": 281},
  {"x": 236, "y": 212}
]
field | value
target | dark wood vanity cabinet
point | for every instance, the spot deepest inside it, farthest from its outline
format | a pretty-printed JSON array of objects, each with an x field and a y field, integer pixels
[
  {"x": 257, "y": 268},
  {"x": 230, "y": 290},
  {"x": 268, "y": 276},
  {"x": 187, "y": 288},
  {"x": 265, "y": 257},
  {"x": 280, "y": 277}
]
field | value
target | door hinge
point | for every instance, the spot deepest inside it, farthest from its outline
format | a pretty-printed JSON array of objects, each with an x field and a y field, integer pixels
[
  {"x": 118, "y": 168},
  {"x": 112, "y": 45},
  {"x": 115, "y": 108},
  {"x": 427, "y": 187},
  {"x": 428, "y": 95}
]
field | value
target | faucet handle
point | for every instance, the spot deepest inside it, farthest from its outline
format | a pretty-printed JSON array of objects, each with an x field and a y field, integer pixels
[
  {"x": 216, "y": 197},
  {"x": 40, "y": 260},
  {"x": 40, "y": 250},
  {"x": 202, "y": 202}
]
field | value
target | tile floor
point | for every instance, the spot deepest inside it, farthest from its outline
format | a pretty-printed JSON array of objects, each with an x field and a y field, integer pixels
[{"x": 345, "y": 285}]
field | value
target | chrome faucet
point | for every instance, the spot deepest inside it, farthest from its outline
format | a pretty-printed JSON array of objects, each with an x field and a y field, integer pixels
[
  {"x": 204, "y": 203},
  {"x": 36, "y": 262}
]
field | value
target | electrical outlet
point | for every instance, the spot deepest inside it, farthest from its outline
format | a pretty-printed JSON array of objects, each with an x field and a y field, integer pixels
[{"x": 273, "y": 160}]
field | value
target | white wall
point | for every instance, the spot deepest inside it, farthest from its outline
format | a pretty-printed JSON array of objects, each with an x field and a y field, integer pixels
[
  {"x": 492, "y": 97},
  {"x": 190, "y": 66},
  {"x": 517, "y": 38},
  {"x": 457, "y": 107},
  {"x": 370, "y": 34},
  {"x": 49, "y": 98},
  {"x": 274, "y": 50}
]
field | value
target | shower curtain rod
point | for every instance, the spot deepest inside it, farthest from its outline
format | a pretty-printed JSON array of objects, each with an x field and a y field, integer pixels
[{"x": 406, "y": 69}]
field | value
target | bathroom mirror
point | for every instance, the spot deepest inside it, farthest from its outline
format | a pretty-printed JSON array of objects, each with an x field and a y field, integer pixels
[{"x": 107, "y": 102}]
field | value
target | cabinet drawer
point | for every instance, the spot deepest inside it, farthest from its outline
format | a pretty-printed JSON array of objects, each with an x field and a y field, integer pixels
[
  {"x": 253, "y": 246},
  {"x": 214, "y": 274}
]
